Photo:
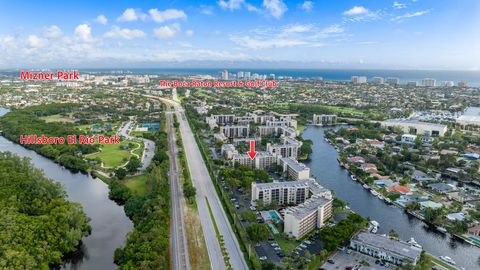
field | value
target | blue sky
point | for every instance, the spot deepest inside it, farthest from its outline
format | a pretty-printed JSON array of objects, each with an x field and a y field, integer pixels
[{"x": 404, "y": 34}]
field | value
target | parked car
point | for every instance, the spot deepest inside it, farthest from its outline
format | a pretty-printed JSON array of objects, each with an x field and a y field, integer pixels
[
  {"x": 330, "y": 261},
  {"x": 263, "y": 258}
]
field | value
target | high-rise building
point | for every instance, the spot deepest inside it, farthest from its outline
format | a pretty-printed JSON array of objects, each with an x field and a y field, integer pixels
[
  {"x": 240, "y": 75},
  {"x": 462, "y": 84},
  {"x": 393, "y": 81},
  {"x": 359, "y": 79},
  {"x": 412, "y": 83},
  {"x": 246, "y": 75},
  {"x": 225, "y": 75},
  {"x": 428, "y": 82},
  {"x": 378, "y": 80},
  {"x": 448, "y": 83}
]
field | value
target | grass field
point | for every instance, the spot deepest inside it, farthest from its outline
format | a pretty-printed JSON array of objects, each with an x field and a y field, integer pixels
[
  {"x": 112, "y": 155},
  {"x": 138, "y": 184},
  {"x": 57, "y": 118}
]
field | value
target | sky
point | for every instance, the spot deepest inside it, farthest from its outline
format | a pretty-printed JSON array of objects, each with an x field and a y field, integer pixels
[{"x": 380, "y": 34}]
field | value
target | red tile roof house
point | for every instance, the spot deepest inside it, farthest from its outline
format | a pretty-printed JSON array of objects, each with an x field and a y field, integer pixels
[
  {"x": 376, "y": 143},
  {"x": 356, "y": 159},
  {"x": 475, "y": 230},
  {"x": 403, "y": 190},
  {"x": 369, "y": 168}
]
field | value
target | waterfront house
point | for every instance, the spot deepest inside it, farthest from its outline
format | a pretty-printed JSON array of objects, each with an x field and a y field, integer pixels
[
  {"x": 369, "y": 168},
  {"x": 382, "y": 247},
  {"x": 456, "y": 216},
  {"x": 356, "y": 159},
  {"x": 420, "y": 176},
  {"x": 402, "y": 190},
  {"x": 430, "y": 204},
  {"x": 442, "y": 187},
  {"x": 474, "y": 231}
]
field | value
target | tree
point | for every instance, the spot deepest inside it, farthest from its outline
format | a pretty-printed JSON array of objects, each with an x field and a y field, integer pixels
[
  {"x": 258, "y": 232},
  {"x": 120, "y": 173},
  {"x": 249, "y": 216},
  {"x": 133, "y": 165},
  {"x": 189, "y": 191},
  {"x": 119, "y": 192},
  {"x": 393, "y": 234}
]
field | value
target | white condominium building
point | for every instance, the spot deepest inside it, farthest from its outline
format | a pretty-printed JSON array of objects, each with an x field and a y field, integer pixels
[
  {"x": 223, "y": 119},
  {"x": 263, "y": 160},
  {"x": 294, "y": 169},
  {"x": 289, "y": 148},
  {"x": 242, "y": 159},
  {"x": 287, "y": 193},
  {"x": 228, "y": 151},
  {"x": 302, "y": 219},
  {"x": 417, "y": 127},
  {"x": 324, "y": 119},
  {"x": 235, "y": 131}
]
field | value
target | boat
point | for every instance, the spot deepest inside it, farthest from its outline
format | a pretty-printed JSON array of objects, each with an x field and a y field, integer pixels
[
  {"x": 374, "y": 230},
  {"x": 374, "y": 193},
  {"x": 448, "y": 260},
  {"x": 375, "y": 223},
  {"x": 365, "y": 186},
  {"x": 414, "y": 243},
  {"x": 441, "y": 229},
  {"x": 380, "y": 197},
  {"x": 387, "y": 200},
  {"x": 353, "y": 177}
]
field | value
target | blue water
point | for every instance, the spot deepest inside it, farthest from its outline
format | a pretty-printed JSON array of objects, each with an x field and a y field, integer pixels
[{"x": 472, "y": 77}]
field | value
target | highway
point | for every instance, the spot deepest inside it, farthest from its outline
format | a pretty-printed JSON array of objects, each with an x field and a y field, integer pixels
[
  {"x": 205, "y": 189},
  {"x": 178, "y": 238}
]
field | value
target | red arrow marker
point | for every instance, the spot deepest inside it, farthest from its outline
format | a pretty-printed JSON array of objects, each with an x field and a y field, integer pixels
[{"x": 252, "y": 152}]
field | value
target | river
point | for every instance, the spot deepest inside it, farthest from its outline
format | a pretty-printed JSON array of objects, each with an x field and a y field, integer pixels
[
  {"x": 324, "y": 166},
  {"x": 109, "y": 223}
]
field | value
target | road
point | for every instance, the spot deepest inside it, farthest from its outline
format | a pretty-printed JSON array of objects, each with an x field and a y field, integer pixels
[
  {"x": 205, "y": 189},
  {"x": 178, "y": 238},
  {"x": 148, "y": 151}
]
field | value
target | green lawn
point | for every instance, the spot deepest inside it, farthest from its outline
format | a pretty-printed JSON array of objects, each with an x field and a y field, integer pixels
[
  {"x": 57, "y": 118},
  {"x": 287, "y": 245},
  {"x": 139, "y": 151},
  {"x": 138, "y": 184},
  {"x": 112, "y": 155}
]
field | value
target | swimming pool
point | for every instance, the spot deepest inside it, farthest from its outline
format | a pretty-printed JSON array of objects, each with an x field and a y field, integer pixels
[
  {"x": 474, "y": 240},
  {"x": 274, "y": 214}
]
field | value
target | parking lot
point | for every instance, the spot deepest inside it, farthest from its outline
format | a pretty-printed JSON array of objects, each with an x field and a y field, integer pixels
[{"x": 344, "y": 259}]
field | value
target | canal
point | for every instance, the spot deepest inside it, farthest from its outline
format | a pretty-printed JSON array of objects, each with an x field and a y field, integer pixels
[
  {"x": 109, "y": 223},
  {"x": 324, "y": 166}
]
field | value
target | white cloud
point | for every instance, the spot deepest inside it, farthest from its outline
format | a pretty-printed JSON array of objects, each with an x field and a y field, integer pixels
[
  {"x": 276, "y": 8},
  {"x": 297, "y": 28},
  {"x": 255, "y": 43},
  {"x": 356, "y": 10},
  {"x": 252, "y": 8},
  {"x": 206, "y": 10},
  {"x": 168, "y": 14},
  {"x": 83, "y": 32},
  {"x": 101, "y": 19},
  {"x": 167, "y": 31},
  {"x": 124, "y": 33},
  {"x": 410, "y": 15},
  {"x": 189, "y": 33},
  {"x": 34, "y": 41},
  {"x": 231, "y": 4},
  {"x": 307, "y": 5},
  {"x": 398, "y": 5},
  {"x": 130, "y": 15},
  {"x": 333, "y": 29},
  {"x": 52, "y": 32},
  {"x": 7, "y": 40}
]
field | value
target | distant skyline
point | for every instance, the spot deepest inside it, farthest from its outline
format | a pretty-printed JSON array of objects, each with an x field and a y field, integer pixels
[{"x": 408, "y": 34}]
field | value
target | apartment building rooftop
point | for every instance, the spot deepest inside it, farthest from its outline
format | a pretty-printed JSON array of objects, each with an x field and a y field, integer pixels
[{"x": 302, "y": 210}]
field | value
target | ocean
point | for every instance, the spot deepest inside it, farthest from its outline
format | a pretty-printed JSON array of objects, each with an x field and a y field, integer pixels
[{"x": 471, "y": 77}]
